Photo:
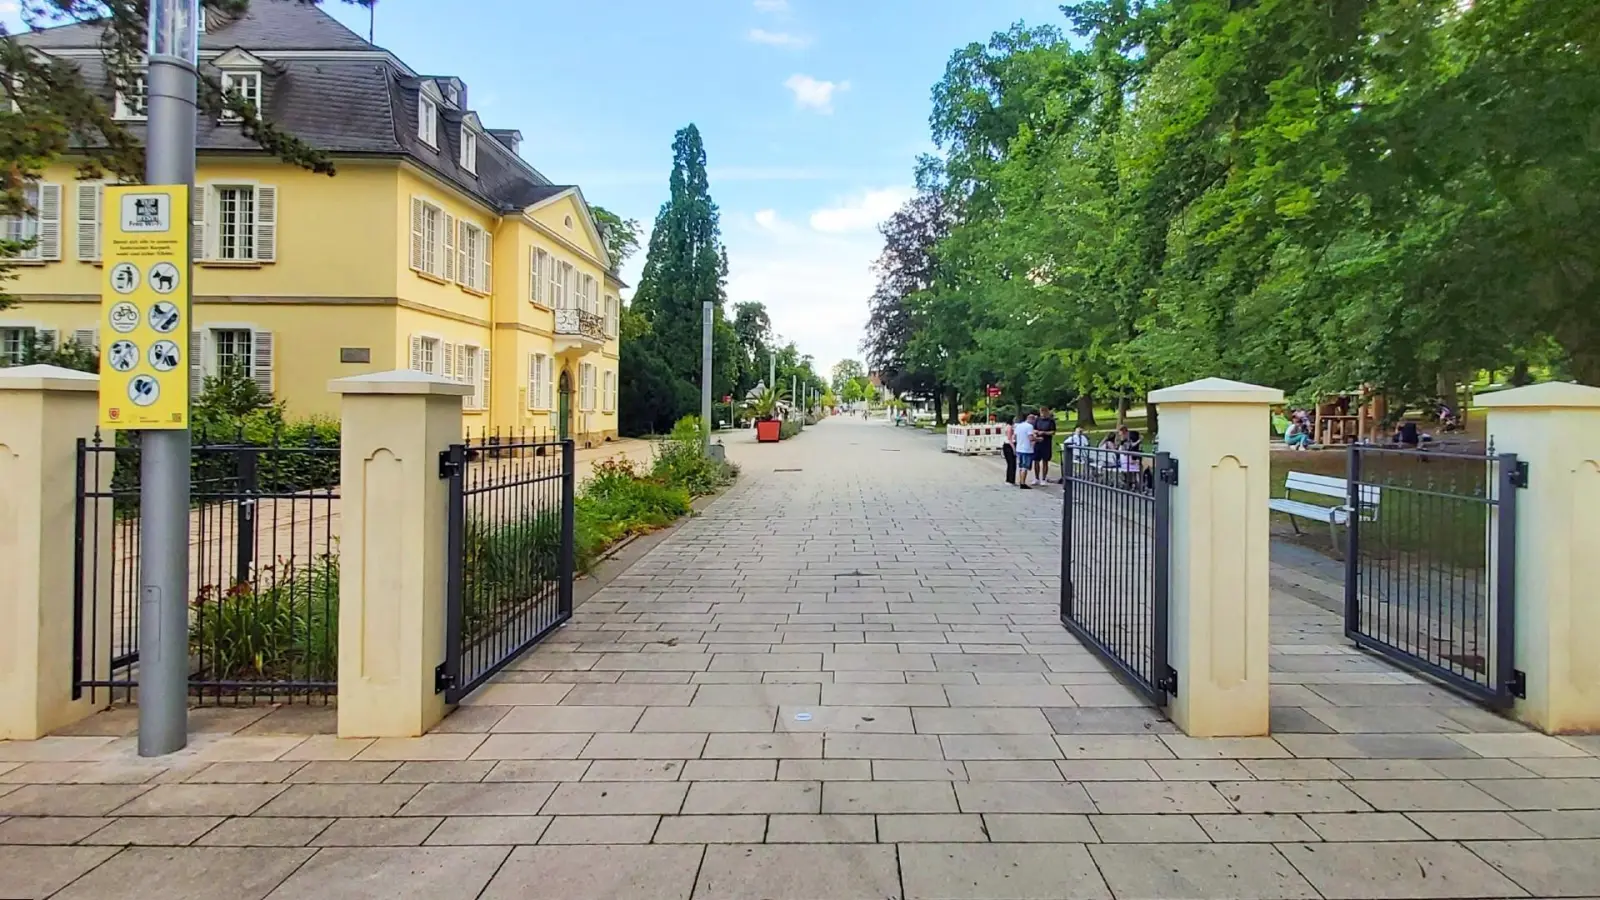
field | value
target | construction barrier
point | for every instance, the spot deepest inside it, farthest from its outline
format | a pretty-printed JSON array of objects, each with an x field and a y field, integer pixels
[{"x": 982, "y": 438}]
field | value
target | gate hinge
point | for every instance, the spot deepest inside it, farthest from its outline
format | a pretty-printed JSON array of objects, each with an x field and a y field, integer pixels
[
  {"x": 442, "y": 680},
  {"x": 447, "y": 466},
  {"x": 1169, "y": 681},
  {"x": 1519, "y": 475},
  {"x": 1519, "y": 684},
  {"x": 1169, "y": 475}
]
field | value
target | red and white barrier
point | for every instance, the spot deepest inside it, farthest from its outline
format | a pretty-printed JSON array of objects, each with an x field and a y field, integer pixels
[{"x": 982, "y": 438}]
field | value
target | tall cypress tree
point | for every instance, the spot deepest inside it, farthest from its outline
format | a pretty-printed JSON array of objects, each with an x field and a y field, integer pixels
[{"x": 684, "y": 266}]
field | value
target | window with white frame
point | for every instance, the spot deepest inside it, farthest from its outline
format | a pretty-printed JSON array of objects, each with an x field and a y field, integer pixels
[
  {"x": 427, "y": 120},
  {"x": 469, "y": 149},
  {"x": 42, "y": 225},
  {"x": 231, "y": 351},
  {"x": 13, "y": 346},
  {"x": 586, "y": 386},
  {"x": 608, "y": 395},
  {"x": 469, "y": 362},
  {"x": 426, "y": 355},
  {"x": 433, "y": 243},
  {"x": 613, "y": 311},
  {"x": 134, "y": 103},
  {"x": 247, "y": 85},
  {"x": 559, "y": 272},
  {"x": 538, "y": 264},
  {"x": 476, "y": 264},
  {"x": 236, "y": 222},
  {"x": 541, "y": 381}
]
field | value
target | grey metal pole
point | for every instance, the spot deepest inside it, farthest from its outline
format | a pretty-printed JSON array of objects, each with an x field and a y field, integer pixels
[
  {"x": 772, "y": 368},
  {"x": 707, "y": 314},
  {"x": 164, "y": 455}
]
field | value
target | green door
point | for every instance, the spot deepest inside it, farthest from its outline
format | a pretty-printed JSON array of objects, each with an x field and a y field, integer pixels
[{"x": 564, "y": 409}]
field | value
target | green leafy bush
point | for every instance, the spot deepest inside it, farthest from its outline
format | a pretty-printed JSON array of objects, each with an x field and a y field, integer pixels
[
  {"x": 681, "y": 460},
  {"x": 282, "y": 625},
  {"x": 788, "y": 429}
]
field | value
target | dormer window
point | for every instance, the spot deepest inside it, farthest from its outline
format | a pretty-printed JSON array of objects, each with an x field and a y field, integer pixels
[
  {"x": 427, "y": 120},
  {"x": 241, "y": 78},
  {"x": 134, "y": 103},
  {"x": 469, "y": 150}
]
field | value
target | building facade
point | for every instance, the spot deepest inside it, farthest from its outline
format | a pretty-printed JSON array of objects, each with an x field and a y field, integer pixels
[{"x": 435, "y": 247}]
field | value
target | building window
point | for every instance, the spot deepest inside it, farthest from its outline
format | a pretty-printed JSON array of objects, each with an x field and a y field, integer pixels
[
  {"x": 236, "y": 222},
  {"x": 475, "y": 261},
  {"x": 425, "y": 355},
  {"x": 135, "y": 102},
  {"x": 247, "y": 85},
  {"x": 541, "y": 381},
  {"x": 430, "y": 228},
  {"x": 13, "y": 346},
  {"x": 41, "y": 226},
  {"x": 612, "y": 313},
  {"x": 428, "y": 120},
  {"x": 469, "y": 150},
  {"x": 560, "y": 272},
  {"x": 468, "y": 359},
  {"x": 538, "y": 265},
  {"x": 230, "y": 351},
  {"x": 609, "y": 395},
  {"x": 586, "y": 387}
]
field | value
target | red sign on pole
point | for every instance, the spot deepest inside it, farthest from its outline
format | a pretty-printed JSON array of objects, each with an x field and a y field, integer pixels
[
  {"x": 994, "y": 390},
  {"x": 727, "y": 398}
]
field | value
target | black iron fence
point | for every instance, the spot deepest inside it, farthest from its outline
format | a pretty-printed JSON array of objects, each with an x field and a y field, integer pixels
[
  {"x": 509, "y": 552},
  {"x": 1116, "y": 529},
  {"x": 1430, "y": 572},
  {"x": 263, "y": 571}
]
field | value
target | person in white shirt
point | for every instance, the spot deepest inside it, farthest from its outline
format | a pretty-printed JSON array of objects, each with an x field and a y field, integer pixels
[
  {"x": 1078, "y": 441},
  {"x": 1022, "y": 433}
]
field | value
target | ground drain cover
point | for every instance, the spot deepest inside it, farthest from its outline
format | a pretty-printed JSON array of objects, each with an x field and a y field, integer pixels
[{"x": 788, "y": 470}]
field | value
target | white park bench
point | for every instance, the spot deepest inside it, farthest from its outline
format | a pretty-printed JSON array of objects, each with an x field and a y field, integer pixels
[{"x": 1324, "y": 486}]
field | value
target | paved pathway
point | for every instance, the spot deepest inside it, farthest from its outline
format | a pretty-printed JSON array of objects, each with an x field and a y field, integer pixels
[{"x": 845, "y": 680}]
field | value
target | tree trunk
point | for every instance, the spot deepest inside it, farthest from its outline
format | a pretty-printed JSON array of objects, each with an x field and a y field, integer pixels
[
  {"x": 955, "y": 406},
  {"x": 1520, "y": 375},
  {"x": 1151, "y": 422},
  {"x": 938, "y": 407},
  {"x": 1086, "y": 410},
  {"x": 1122, "y": 411}
]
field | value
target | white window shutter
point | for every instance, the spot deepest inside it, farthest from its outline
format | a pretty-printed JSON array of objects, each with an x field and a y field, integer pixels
[
  {"x": 533, "y": 276},
  {"x": 86, "y": 337},
  {"x": 89, "y": 193},
  {"x": 49, "y": 246},
  {"x": 549, "y": 383},
  {"x": 462, "y": 274},
  {"x": 483, "y": 378},
  {"x": 197, "y": 369},
  {"x": 198, "y": 204},
  {"x": 266, "y": 223},
  {"x": 450, "y": 361},
  {"x": 449, "y": 271},
  {"x": 532, "y": 393},
  {"x": 485, "y": 263},
  {"x": 417, "y": 248},
  {"x": 416, "y": 353},
  {"x": 261, "y": 361}
]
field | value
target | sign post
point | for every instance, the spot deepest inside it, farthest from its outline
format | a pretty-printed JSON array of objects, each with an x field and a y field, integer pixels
[{"x": 154, "y": 394}]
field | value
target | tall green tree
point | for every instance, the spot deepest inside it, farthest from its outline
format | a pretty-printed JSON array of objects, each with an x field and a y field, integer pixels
[
  {"x": 621, "y": 235},
  {"x": 685, "y": 265},
  {"x": 846, "y": 371}
]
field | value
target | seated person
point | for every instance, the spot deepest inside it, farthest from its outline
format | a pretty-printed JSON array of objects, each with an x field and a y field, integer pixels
[
  {"x": 1407, "y": 436},
  {"x": 1298, "y": 437}
]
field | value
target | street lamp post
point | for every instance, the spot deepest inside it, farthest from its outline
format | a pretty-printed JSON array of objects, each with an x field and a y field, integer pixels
[{"x": 707, "y": 313}]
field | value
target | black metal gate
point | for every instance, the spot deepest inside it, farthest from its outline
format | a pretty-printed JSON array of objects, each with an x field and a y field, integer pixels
[
  {"x": 1116, "y": 521},
  {"x": 1430, "y": 571},
  {"x": 263, "y": 569},
  {"x": 509, "y": 553}
]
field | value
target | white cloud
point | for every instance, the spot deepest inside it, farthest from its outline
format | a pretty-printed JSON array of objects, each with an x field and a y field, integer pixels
[
  {"x": 860, "y": 213},
  {"x": 778, "y": 39},
  {"x": 772, "y": 6},
  {"x": 767, "y": 218},
  {"x": 809, "y": 93}
]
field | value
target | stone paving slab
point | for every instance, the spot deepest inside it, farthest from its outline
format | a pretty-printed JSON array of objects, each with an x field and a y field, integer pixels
[{"x": 843, "y": 681}]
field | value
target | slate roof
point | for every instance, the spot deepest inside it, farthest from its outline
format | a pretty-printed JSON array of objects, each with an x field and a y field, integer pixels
[{"x": 361, "y": 103}]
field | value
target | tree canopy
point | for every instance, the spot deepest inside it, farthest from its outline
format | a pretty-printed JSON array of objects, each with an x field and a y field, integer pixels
[{"x": 1317, "y": 195}]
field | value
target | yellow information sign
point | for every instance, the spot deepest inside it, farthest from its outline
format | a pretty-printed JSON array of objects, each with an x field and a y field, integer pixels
[{"x": 144, "y": 307}]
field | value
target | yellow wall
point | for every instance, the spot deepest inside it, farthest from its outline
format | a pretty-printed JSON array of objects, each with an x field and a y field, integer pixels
[{"x": 342, "y": 279}]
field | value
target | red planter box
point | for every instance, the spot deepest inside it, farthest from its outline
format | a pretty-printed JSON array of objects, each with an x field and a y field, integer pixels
[{"x": 767, "y": 431}]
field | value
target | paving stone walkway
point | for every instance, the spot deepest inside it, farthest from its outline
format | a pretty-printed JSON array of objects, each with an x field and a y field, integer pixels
[{"x": 845, "y": 680}]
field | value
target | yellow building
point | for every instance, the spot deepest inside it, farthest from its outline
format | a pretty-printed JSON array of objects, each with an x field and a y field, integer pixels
[{"x": 435, "y": 247}]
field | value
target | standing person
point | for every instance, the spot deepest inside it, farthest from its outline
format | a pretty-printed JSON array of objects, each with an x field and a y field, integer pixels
[
  {"x": 1009, "y": 451},
  {"x": 1023, "y": 436},
  {"x": 1044, "y": 438},
  {"x": 1076, "y": 449}
]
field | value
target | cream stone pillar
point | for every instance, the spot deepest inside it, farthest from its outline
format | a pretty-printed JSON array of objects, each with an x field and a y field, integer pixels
[
  {"x": 44, "y": 410},
  {"x": 1555, "y": 429},
  {"x": 1218, "y": 432},
  {"x": 392, "y": 549}
]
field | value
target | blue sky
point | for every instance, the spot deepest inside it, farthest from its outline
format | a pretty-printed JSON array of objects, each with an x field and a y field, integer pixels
[{"x": 812, "y": 111}]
